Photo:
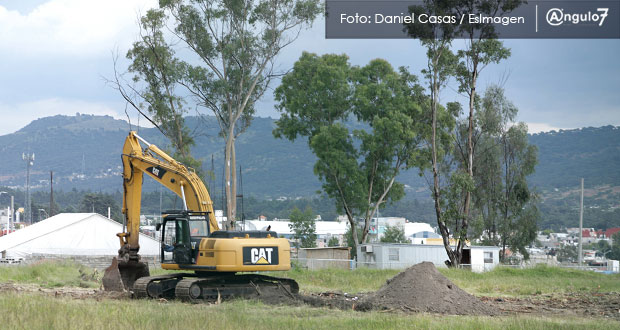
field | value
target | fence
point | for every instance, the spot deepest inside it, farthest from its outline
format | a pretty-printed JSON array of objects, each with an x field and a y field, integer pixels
[{"x": 316, "y": 264}]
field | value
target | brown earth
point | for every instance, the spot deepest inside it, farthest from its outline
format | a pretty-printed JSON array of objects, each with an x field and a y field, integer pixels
[{"x": 421, "y": 288}]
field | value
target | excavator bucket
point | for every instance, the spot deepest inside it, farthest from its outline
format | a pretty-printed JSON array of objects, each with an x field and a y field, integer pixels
[{"x": 121, "y": 275}]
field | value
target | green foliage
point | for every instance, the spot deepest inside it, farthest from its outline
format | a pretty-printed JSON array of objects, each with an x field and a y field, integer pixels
[
  {"x": 357, "y": 168},
  {"x": 333, "y": 242},
  {"x": 304, "y": 228},
  {"x": 99, "y": 203},
  {"x": 503, "y": 161},
  {"x": 394, "y": 234},
  {"x": 567, "y": 253},
  {"x": 615, "y": 248},
  {"x": 232, "y": 46}
]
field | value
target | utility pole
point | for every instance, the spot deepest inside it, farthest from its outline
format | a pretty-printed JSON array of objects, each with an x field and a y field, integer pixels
[
  {"x": 12, "y": 212},
  {"x": 51, "y": 193},
  {"x": 581, "y": 228},
  {"x": 29, "y": 159}
]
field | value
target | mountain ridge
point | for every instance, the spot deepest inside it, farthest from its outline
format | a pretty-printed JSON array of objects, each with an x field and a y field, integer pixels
[{"x": 83, "y": 151}]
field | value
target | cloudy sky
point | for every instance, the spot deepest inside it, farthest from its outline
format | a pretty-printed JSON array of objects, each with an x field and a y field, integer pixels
[{"x": 55, "y": 54}]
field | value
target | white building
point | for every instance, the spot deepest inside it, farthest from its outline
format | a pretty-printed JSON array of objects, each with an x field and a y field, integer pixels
[
  {"x": 400, "y": 256},
  {"x": 324, "y": 229},
  {"x": 71, "y": 234}
]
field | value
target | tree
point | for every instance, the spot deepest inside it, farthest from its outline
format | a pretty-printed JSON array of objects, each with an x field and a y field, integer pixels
[
  {"x": 99, "y": 203},
  {"x": 481, "y": 50},
  {"x": 504, "y": 159},
  {"x": 567, "y": 253},
  {"x": 333, "y": 242},
  {"x": 304, "y": 227},
  {"x": 357, "y": 167},
  {"x": 440, "y": 67},
  {"x": 517, "y": 203},
  {"x": 615, "y": 248},
  {"x": 228, "y": 51},
  {"x": 351, "y": 241},
  {"x": 394, "y": 234}
]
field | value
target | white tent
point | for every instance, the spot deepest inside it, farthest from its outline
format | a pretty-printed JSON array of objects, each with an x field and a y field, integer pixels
[{"x": 71, "y": 234}]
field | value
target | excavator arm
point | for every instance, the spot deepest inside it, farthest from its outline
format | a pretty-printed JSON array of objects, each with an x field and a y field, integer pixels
[
  {"x": 164, "y": 169},
  {"x": 173, "y": 175}
]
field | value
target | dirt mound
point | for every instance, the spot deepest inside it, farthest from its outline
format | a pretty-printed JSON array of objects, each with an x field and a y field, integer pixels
[{"x": 421, "y": 288}]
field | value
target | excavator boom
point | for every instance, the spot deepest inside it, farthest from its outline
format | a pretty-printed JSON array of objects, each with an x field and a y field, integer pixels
[
  {"x": 184, "y": 182},
  {"x": 190, "y": 238}
]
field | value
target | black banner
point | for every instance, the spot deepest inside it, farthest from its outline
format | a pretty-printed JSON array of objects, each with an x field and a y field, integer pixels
[{"x": 355, "y": 19}]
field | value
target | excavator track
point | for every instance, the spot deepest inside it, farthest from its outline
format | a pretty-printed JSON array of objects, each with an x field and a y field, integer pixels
[
  {"x": 247, "y": 286},
  {"x": 160, "y": 286}
]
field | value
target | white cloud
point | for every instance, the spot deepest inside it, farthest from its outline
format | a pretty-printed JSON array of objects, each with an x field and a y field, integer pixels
[
  {"x": 533, "y": 128},
  {"x": 71, "y": 27},
  {"x": 22, "y": 114}
]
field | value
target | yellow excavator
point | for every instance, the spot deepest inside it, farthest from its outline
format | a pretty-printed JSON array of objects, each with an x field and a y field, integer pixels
[{"x": 190, "y": 240}]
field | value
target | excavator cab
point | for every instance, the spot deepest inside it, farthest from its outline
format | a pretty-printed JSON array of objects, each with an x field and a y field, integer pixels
[{"x": 181, "y": 233}]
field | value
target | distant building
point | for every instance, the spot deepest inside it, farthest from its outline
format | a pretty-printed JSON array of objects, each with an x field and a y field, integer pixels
[
  {"x": 611, "y": 231},
  {"x": 325, "y": 257},
  {"x": 325, "y": 230},
  {"x": 400, "y": 256}
]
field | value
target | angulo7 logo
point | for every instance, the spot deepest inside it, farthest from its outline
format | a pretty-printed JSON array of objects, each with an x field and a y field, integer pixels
[
  {"x": 557, "y": 17},
  {"x": 267, "y": 255}
]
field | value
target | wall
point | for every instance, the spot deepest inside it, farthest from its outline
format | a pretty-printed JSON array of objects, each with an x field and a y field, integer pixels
[
  {"x": 97, "y": 262},
  {"x": 321, "y": 258}
]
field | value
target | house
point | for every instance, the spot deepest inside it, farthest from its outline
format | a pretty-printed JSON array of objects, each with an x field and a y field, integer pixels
[
  {"x": 610, "y": 232},
  {"x": 400, "y": 256}
]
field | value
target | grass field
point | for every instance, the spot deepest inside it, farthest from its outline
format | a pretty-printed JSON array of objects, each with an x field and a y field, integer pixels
[
  {"x": 50, "y": 275},
  {"x": 31, "y": 310},
  {"x": 498, "y": 282},
  {"x": 28, "y": 311}
]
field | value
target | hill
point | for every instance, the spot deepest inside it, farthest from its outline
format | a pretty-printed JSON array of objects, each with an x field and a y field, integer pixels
[{"x": 83, "y": 151}]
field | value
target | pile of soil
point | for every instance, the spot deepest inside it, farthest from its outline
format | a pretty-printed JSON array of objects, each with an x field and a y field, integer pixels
[{"x": 421, "y": 288}]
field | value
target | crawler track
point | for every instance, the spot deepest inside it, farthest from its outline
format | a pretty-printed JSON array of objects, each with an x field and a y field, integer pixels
[{"x": 190, "y": 288}]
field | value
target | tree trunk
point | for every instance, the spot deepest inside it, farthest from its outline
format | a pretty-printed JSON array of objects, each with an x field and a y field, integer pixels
[
  {"x": 470, "y": 159},
  {"x": 231, "y": 179},
  {"x": 436, "y": 188}
]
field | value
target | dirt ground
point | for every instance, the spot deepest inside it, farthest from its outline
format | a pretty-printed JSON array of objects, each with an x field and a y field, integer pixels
[
  {"x": 599, "y": 305},
  {"x": 420, "y": 288}
]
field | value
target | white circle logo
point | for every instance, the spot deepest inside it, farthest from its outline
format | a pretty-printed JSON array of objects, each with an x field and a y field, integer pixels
[{"x": 554, "y": 16}]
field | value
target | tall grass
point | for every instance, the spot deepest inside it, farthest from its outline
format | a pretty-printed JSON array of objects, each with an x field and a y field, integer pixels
[
  {"x": 500, "y": 281},
  {"x": 29, "y": 311},
  {"x": 359, "y": 280},
  {"x": 51, "y": 274},
  {"x": 541, "y": 279}
]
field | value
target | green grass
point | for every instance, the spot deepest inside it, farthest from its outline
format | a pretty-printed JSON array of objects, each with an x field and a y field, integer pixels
[
  {"x": 50, "y": 274},
  {"x": 538, "y": 280},
  {"x": 501, "y": 281},
  {"x": 359, "y": 280},
  {"x": 29, "y": 311}
]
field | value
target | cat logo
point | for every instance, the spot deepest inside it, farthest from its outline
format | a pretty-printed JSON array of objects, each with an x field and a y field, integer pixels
[
  {"x": 260, "y": 255},
  {"x": 156, "y": 171}
]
